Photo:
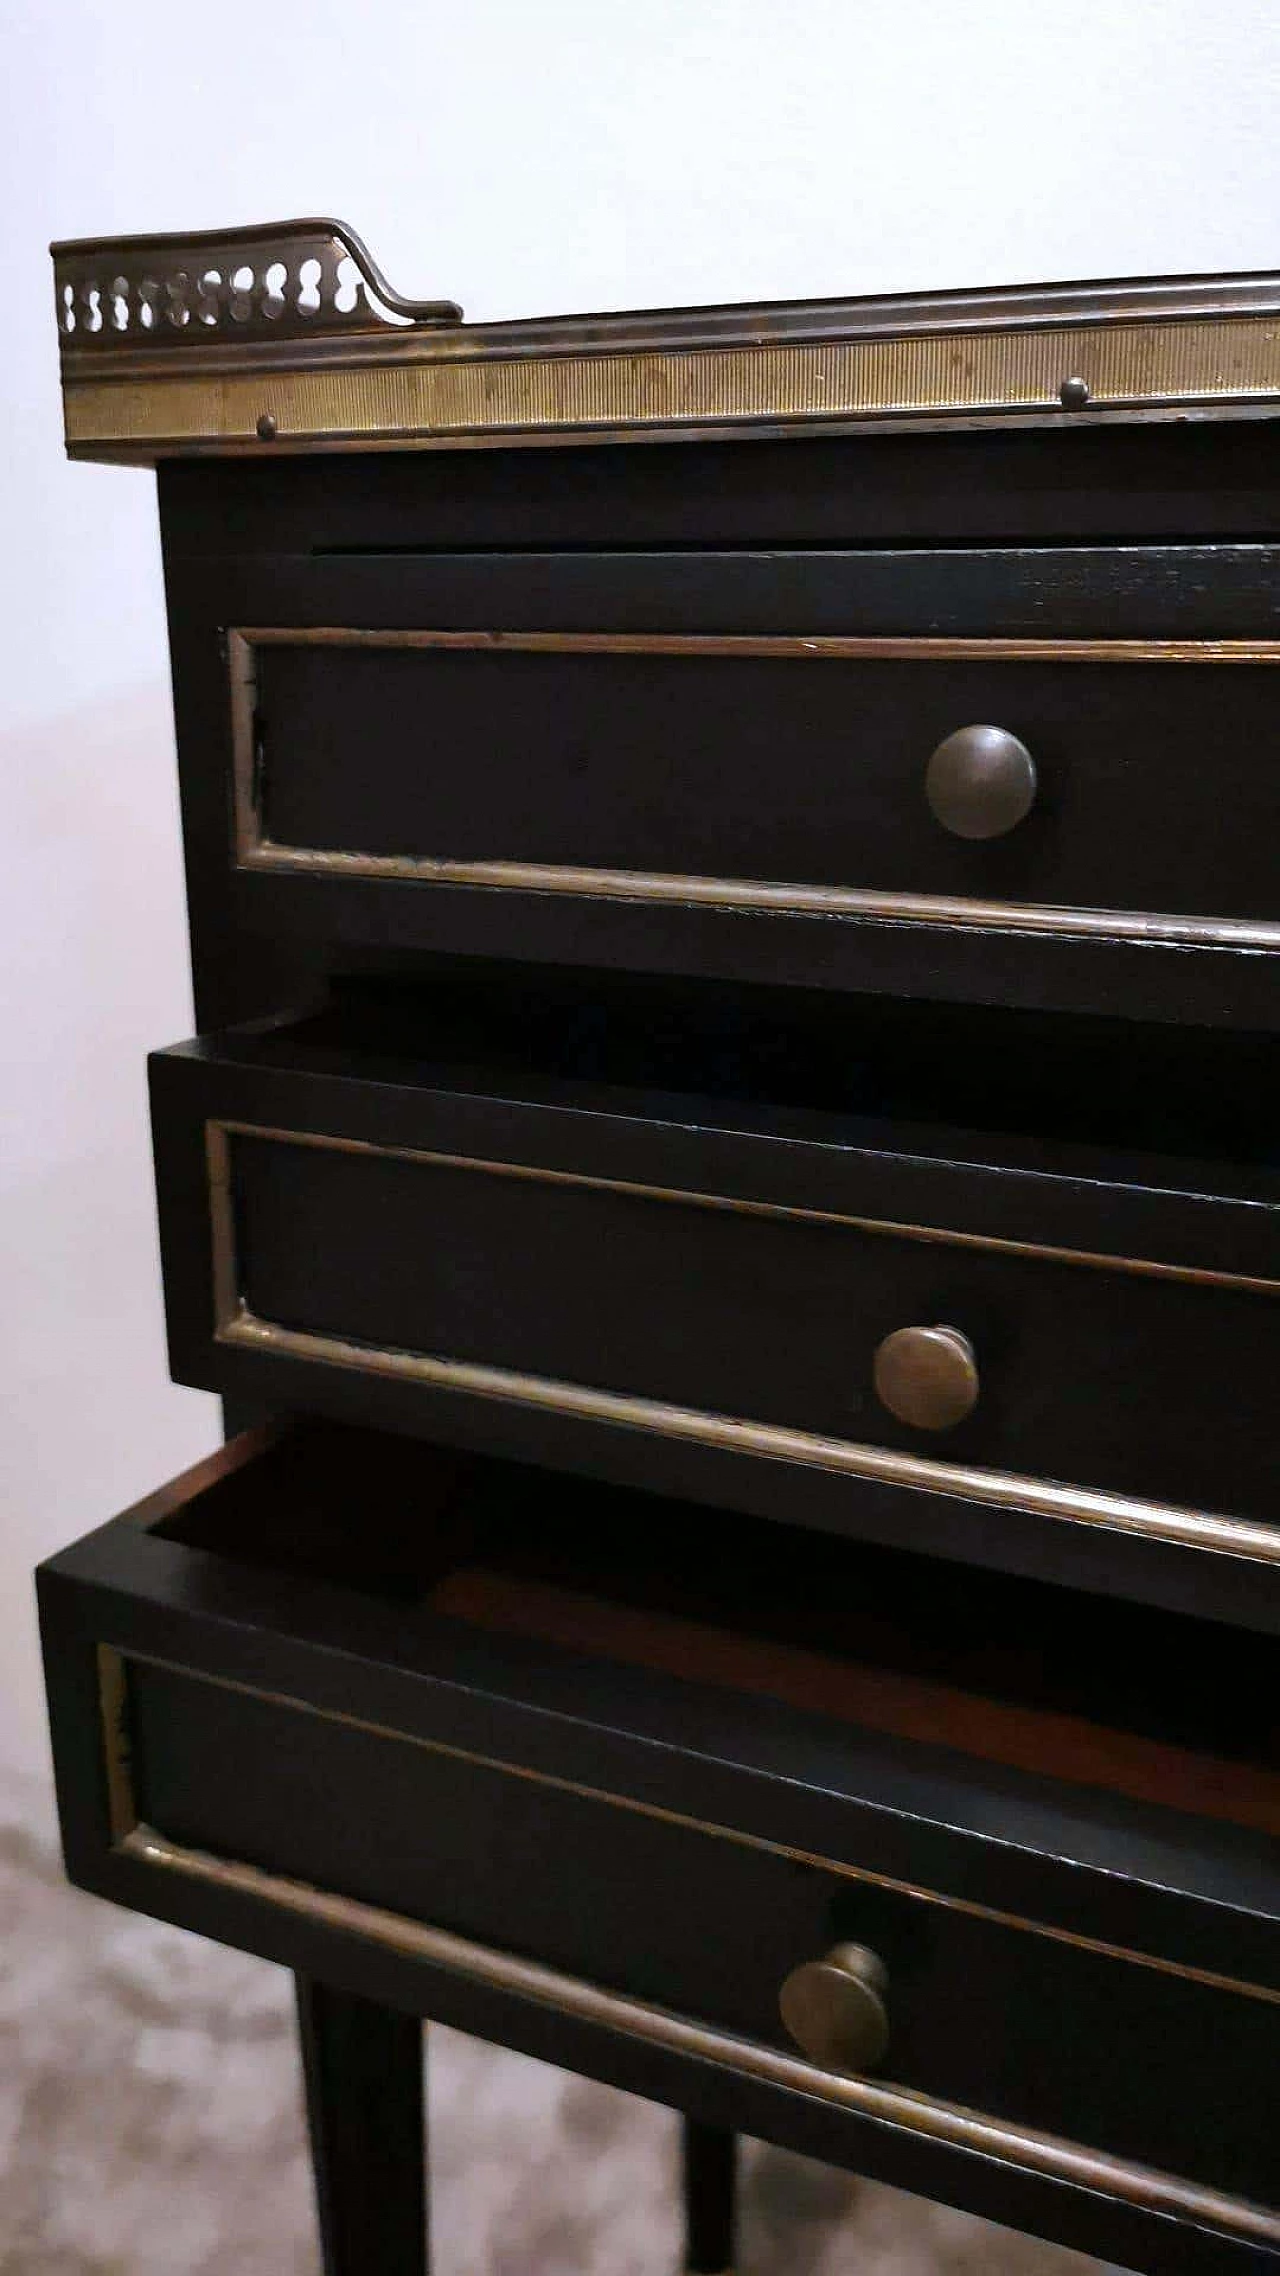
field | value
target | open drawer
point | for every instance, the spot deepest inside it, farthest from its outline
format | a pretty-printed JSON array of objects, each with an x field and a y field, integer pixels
[
  {"x": 553, "y": 1763},
  {"x": 800, "y": 1295}
]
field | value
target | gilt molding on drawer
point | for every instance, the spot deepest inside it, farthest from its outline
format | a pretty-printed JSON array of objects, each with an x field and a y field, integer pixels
[
  {"x": 153, "y": 1850},
  {"x": 236, "y": 1325},
  {"x": 257, "y": 850}
]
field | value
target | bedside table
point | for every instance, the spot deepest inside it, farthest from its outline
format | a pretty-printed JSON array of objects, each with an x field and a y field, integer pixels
[{"x": 726, "y": 1172}]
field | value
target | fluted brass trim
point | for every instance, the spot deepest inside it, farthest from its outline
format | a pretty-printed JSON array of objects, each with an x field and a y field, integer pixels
[
  {"x": 237, "y": 1327},
  {"x": 473, "y": 384},
  {"x": 591, "y": 2004},
  {"x": 113, "y": 1676},
  {"x": 255, "y": 850},
  {"x": 125, "y": 298}
]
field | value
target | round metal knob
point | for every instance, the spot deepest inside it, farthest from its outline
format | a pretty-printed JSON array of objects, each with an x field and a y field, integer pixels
[
  {"x": 981, "y": 782},
  {"x": 835, "y": 2008},
  {"x": 927, "y": 1377}
]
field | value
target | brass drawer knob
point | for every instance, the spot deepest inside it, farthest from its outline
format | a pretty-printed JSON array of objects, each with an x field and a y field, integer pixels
[
  {"x": 981, "y": 782},
  {"x": 835, "y": 2008},
  {"x": 927, "y": 1377}
]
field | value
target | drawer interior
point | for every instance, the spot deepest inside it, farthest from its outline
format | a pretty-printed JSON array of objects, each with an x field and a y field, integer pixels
[{"x": 1144, "y": 1704}]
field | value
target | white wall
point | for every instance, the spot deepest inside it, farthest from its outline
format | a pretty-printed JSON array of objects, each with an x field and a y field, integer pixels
[{"x": 524, "y": 158}]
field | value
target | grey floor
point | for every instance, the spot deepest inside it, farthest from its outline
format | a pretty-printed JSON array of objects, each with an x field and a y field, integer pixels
[{"x": 150, "y": 2126}]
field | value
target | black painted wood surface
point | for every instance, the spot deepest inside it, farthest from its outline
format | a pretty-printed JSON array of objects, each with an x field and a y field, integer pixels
[
  {"x": 710, "y": 2212},
  {"x": 366, "y": 2120},
  {"x": 1186, "y": 480}
]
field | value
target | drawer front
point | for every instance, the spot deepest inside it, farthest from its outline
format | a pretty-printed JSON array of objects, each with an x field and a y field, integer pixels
[
  {"x": 783, "y": 773},
  {"x": 680, "y": 1314},
  {"x": 1134, "y": 2059}
]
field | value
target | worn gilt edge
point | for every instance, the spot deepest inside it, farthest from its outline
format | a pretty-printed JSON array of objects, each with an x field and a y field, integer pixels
[{"x": 419, "y": 394}]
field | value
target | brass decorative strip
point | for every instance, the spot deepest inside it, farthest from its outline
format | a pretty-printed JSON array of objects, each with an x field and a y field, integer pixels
[
  {"x": 114, "y": 1680},
  {"x": 255, "y": 850},
  {"x": 946, "y": 2123},
  {"x": 418, "y": 389},
  {"x": 815, "y": 647},
  {"x": 235, "y": 1325}
]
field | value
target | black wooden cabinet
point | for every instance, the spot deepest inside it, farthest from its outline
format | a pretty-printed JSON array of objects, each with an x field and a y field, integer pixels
[{"x": 732, "y": 1135}]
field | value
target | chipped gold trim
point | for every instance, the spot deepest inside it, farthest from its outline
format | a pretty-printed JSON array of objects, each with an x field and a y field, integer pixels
[
  {"x": 120, "y": 1768},
  {"x": 117, "y": 1745},
  {"x": 255, "y": 850},
  {"x": 505, "y": 1973},
  {"x": 415, "y": 390},
  {"x": 237, "y": 1327}
]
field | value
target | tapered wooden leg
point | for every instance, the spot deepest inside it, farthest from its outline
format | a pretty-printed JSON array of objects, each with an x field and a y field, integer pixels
[
  {"x": 362, "y": 2067},
  {"x": 710, "y": 2174}
]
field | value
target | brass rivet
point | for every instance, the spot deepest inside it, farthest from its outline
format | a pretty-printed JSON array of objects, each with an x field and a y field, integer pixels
[
  {"x": 1073, "y": 394},
  {"x": 266, "y": 427}
]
